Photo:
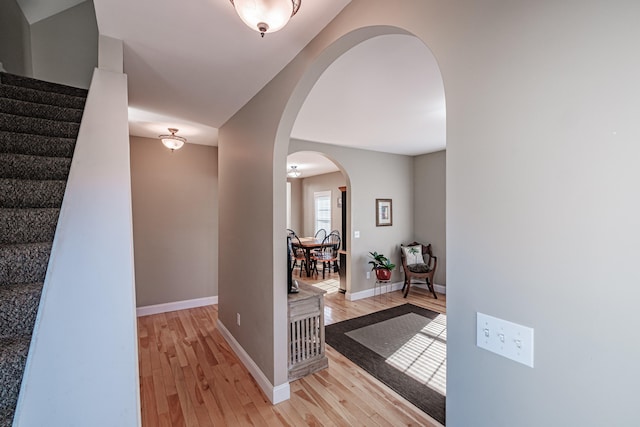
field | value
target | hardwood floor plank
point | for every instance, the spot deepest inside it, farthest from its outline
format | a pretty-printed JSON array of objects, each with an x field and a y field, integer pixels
[
  {"x": 162, "y": 405},
  {"x": 189, "y": 376},
  {"x": 177, "y": 417},
  {"x": 186, "y": 404}
]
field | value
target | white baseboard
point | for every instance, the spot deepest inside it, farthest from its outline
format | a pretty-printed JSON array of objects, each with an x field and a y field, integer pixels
[
  {"x": 173, "y": 306},
  {"x": 441, "y": 289},
  {"x": 373, "y": 291},
  {"x": 276, "y": 394}
]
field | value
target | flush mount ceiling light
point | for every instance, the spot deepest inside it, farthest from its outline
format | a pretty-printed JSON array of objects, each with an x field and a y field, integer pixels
[
  {"x": 266, "y": 16},
  {"x": 293, "y": 172},
  {"x": 173, "y": 141}
]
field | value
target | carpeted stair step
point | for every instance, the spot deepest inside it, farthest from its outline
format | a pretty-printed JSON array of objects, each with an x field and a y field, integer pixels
[
  {"x": 41, "y": 97},
  {"x": 13, "y": 356},
  {"x": 25, "y": 263},
  {"x": 36, "y": 145},
  {"x": 28, "y": 225},
  {"x": 13, "y": 80},
  {"x": 18, "y": 308},
  {"x": 37, "y": 126},
  {"x": 41, "y": 111},
  {"x": 22, "y": 166},
  {"x": 20, "y": 193},
  {"x": 39, "y": 123}
]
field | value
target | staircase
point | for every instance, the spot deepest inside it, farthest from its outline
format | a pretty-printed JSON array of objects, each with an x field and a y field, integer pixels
[{"x": 39, "y": 123}]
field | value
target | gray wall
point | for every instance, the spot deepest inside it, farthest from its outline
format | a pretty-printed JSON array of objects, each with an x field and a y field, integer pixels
[
  {"x": 429, "y": 198},
  {"x": 65, "y": 46},
  {"x": 324, "y": 182},
  {"x": 175, "y": 221},
  {"x": 371, "y": 175},
  {"x": 296, "y": 205},
  {"x": 15, "y": 39},
  {"x": 542, "y": 213}
]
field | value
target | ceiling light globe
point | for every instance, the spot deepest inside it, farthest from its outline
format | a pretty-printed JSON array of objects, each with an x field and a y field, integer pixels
[
  {"x": 266, "y": 16},
  {"x": 173, "y": 141},
  {"x": 293, "y": 172},
  {"x": 172, "y": 144}
]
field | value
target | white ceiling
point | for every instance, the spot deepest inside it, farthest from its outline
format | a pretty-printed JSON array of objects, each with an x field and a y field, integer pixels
[
  {"x": 385, "y": 94},
  {"x": 310, "y": 164},
  {"x": 192, "y": 65},
  {"x": 196, "y": 61}
]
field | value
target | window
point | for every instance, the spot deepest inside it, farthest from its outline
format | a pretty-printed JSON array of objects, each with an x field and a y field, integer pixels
[{"x": 322, "y": 210}]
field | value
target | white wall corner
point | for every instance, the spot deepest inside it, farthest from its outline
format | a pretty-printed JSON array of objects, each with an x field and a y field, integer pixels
[
  {"x": 110, "y": 54},
  {"x": 174, "y": 306},
  {"x": 276, "y": 394}
]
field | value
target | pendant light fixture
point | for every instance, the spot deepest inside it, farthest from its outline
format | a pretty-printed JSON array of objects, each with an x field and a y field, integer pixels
[
  {"x": 173, "y": 141},
  {"x": 266, "y": 16},
  {"x": 293, "y": 172}
]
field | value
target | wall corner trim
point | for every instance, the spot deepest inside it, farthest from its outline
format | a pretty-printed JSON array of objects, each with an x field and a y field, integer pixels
[
  {"x": 174, "y": 306},
  {"x": 276, "y": 394},
  {"x": 441, "y": 289}
]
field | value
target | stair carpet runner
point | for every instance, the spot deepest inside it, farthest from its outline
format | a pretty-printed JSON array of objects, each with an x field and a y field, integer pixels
[{"x": 39, "y": 123}]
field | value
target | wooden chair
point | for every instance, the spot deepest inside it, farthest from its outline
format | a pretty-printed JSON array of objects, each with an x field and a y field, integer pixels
[
  {"x": 424, "y": 266},
  {"x": 327, "y": 255},
  {"x": 298, "y": 254}
]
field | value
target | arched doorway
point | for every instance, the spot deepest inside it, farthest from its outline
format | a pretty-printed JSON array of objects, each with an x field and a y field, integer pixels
[
  {"x": 371, "y": 160},
  {"x": 247, "y": 139},
  {"x": 320, "y": 176}
]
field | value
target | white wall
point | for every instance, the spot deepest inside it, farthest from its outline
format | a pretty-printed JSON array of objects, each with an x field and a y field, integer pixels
[
  {"x": 429, "y": 197},
  {"x": 175, "y": 221},
  {"x": 82, "y": 368},
  {"x": 542, "y": 174}
]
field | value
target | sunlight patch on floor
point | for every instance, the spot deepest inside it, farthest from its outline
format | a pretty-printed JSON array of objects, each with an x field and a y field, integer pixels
[
  {"x": 329, "y": 285},
  {"x": 424, "y": 356}
]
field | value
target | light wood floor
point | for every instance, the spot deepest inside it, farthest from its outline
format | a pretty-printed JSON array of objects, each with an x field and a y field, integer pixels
[{"x": 189, "y": 376}]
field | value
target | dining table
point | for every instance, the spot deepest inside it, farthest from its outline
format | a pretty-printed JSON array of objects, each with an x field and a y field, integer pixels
[{"x": 309, "y": 244}]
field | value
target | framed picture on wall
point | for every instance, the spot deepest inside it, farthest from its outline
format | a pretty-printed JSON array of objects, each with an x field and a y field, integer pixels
[{"x": 384, "y": 212}]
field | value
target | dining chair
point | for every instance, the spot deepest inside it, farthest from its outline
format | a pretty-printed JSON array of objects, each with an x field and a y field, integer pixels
[
  {"x": 298, "y": 254},
  {"x": 327, "y": 254},
  {"x": 321, "y": 234}
]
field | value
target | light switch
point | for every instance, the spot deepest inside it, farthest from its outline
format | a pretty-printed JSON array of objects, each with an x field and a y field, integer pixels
[
  {"x": 356, "y": 234},
  {"x": 505, "y": 338}
]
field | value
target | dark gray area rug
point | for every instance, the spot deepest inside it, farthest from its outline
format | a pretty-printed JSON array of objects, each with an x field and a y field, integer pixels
[{"x": 404, "y": 347}]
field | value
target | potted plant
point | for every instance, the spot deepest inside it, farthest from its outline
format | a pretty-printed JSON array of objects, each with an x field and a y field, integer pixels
[{"x": 381, "y": 265}]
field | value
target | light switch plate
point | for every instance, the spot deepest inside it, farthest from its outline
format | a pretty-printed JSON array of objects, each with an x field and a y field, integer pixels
[{"x": 505, "y": 338}]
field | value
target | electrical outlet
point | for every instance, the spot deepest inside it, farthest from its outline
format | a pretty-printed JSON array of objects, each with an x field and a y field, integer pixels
[
  {"x": 368, "y": 275},
  {"x": 238, "y": 318},
  {"x": 356, "y": 234},
  {"x": 505, "y": 338}
]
